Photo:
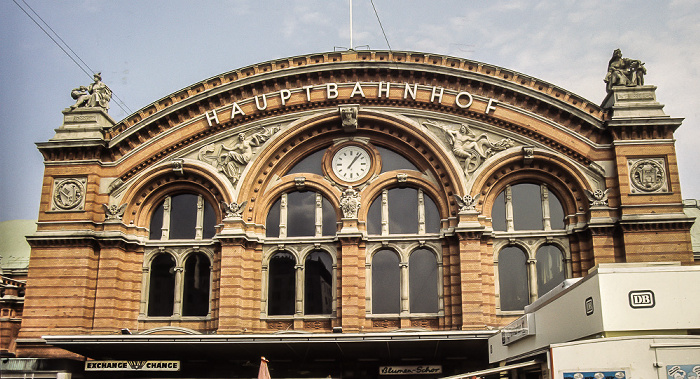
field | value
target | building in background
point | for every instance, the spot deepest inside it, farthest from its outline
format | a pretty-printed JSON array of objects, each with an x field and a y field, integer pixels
[
  {"x": 14, "y": 261},
  {"x": 345, "y": 214}
]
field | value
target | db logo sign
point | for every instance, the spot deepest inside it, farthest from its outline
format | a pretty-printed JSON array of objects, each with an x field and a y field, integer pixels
[{"x": 642, "y": 299}]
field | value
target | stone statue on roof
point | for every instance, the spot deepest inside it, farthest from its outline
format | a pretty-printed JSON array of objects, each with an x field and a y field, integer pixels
[
  {"x": 97, "y": 94},
  {"x": 624, "y": 72}
]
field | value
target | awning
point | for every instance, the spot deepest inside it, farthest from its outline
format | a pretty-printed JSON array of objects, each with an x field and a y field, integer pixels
[{"x": 495, "y": 370}]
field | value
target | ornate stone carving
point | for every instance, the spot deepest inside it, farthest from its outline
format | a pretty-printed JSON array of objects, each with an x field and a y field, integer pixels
[
  {"x": 233, "y": 210},
  {"x": 178, "y": 166},
  {"x": 401, "y": 178},
  {"x": 648, "y": 175},
  {"x": 467, "y": 202},
  {"x": 300, "y": 182},
  {"x": 528, "y": 153},
  {"x": 69, "y": 194},
  {"x": 231, "y": 159},
  {"x": 466, "y": 145},
  {"x": 96, "y": 94},
  {"x": 624, "y": 72},
  {"x": 348, "y": 116},
  {"x": 598, "y": 198},
  {"x": 350, "y": 203},
  {"x": 114, "y": 213}
]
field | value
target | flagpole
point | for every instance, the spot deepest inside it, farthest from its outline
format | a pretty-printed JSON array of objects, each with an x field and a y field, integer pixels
[{"x": 351, "y": 45}]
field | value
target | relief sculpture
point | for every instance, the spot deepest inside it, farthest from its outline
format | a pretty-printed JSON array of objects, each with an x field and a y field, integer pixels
[
  {"x": 231, "y": 158},
  {"x": 467, "y": 146}
]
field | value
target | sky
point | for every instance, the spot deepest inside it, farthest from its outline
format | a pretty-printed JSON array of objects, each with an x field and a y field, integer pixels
[{"x": 147, "y": 50}]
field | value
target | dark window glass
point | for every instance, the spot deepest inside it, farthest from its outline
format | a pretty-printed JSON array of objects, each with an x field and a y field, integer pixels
[
  {"x": 403, "y": 211},
  {"x": 183, "y": 216},
  {"x": 556, "y": 212},
  {"x": 310, "y": 164},
  {"x": 301, "y": 214},
  {"x": 155, "y": 232},
  {"x": 329, "y": 218},
  {"x": 161, "y": 294},
  {"x": 318, "y": 284},
  {"x": 195, "y": 300},
  {"x": 432, "y": 216},
  {"x": 423, "y": 291},
  {"x": 392, "y": 160},
  {"x": 498, "y": 213},
  {"x": 550, "y": 268},
  {"x": 272, "y": 223},
  {"x": 512, "y": 279},
  {"x": 386, "y": 288},
  {"x": 374, "y": 217},
  {"x": 209, "y": 221},
  {"x": 527, "y": 207},
  {"x": 281, "y": 292}
]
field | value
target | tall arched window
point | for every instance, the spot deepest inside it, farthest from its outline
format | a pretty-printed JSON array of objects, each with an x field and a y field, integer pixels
[
  {"x": 184, "y": 216},
  {"x": 282, "y": 284},
  {"x": 195, "y": 300},
  {"x": 423, "y": 282},
  {"x": 533, "y": 215},
  {"x": 386, "y": 282},
  {"x": 318, "y": 284},
  {"x": 161, "y": 295},
  {"x": 512, "y": 279}
]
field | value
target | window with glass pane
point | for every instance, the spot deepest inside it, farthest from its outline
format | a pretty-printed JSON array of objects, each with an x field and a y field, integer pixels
[
  {"x": 161, "y": 294},
  {"x": 272, "y": 223},
  {"x": 183, "y": 216},
  {"x": 386, "y": 297},
  {"x": 512, "y": 279},
  {"x": 311, "y": 164},
  {"x": 392, "y": 160},
  {"x": 403, "y": 211},
  {"x": 318, "y": 283},
  {"x": 550, "y": 268},
  {"x": 301, "y": 214},
  {"x": 282, "y": 288},
  {"x": 195, "y": 300},
  {"x": 527, "y": 207},
  {"x": 423, "y": 282}
]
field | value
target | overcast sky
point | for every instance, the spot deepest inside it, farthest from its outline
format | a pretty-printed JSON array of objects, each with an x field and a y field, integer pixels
[{"x": 149, "y": 49}]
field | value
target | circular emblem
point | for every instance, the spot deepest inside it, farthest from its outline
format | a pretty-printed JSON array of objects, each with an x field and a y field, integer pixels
[
  {"x": 68, "y": 194},
  {"x": 351, "y": 163},
  {"x": 648, "y": 175}
]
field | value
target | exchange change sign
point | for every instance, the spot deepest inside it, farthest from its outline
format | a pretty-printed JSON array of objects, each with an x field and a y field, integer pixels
[{"x": 132, "y": 366}]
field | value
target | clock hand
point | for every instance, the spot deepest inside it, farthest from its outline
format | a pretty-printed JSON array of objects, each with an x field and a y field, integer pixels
[{"x": 353, "y": 161}]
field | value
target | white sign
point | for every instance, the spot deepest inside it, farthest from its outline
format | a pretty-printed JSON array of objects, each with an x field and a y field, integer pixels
[
  {"x": 410, "y": 370},
  {"x": 132, "y": 366},
  {"x": 518, "y": 329}
]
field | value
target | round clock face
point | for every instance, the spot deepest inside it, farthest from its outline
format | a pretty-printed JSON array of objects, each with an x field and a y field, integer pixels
[{"x": 351, "y": 163}]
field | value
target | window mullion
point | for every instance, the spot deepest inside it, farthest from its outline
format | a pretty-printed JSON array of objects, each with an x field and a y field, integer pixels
[
  {"x": 179, "y": 288},
  {"x": 165, "y": 230},
  {"x": 283, "y": 216},
  {"x": 385, "y": 212},
  {"x": 510, "y": 223},
  {"x": 299, "y": 293},
  {"x": 421, "y": 212},
  {"x": 319, "y": 216},
  {"x": 546, "y": 222},
  {"x": 200, "y": 218},
  {"x": 404, "y": 287},
  {"x": 532, "y": 278}
]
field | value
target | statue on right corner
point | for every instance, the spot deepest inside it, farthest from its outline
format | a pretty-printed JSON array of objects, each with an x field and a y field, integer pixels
[{"x": 624, "y": 72}]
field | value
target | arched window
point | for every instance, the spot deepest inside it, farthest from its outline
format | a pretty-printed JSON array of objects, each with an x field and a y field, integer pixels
[
  {"x": 301, "y": 214},
  {"x": 403, "y": 211},
  {"x": 392, "y": 160},
  {"x": 423, "y": 282},
  {"x": 282, "y": 284},
  {"x": 386, "y": 282},
  {"x": 184, "y": 216},
  {"x": 550, "y": 268},
  {"x": 512, "y": 279},
  {"x": 318, "y": 284},
  {"x": 534, "y": 216},
  {"x": 195, "y": 300},
  {"x": 161, "y": 295},
  {"x": 310, "y": 164}
]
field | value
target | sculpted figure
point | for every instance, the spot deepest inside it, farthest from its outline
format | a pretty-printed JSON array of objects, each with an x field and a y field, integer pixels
[
  {"x": 350, "y": 203},
  {"x": 474, "y": 150},
  {"x": 624, "y": 72},
  {"x": 233, "y": 210},
  {"x": 231, "y": 159},
  {"x": 96, "y": 94}
]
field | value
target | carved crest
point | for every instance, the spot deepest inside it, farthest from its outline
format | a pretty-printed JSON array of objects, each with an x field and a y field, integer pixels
[{"x": 350, "y": 203}]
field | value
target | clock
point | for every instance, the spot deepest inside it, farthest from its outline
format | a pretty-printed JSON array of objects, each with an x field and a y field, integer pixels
[{"x": 351, "y": 163}]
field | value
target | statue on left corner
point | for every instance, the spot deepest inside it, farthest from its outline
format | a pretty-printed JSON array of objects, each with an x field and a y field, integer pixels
[{"x": 97, "y": 94}]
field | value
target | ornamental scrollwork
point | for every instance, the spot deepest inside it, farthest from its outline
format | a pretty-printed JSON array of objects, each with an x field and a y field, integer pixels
[
  {"x": 350, "y": 203},
  {"x": 233, "y": 210},
  {"x": 231, "y": 158},
  {"x": 114, "y": 213},
  {"x": 598, "y": 198},
  {"x": 467, "y": 146}
]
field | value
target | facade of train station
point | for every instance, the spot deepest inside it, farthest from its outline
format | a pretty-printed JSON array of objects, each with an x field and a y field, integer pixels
[{"x": 346, "y": 214}]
